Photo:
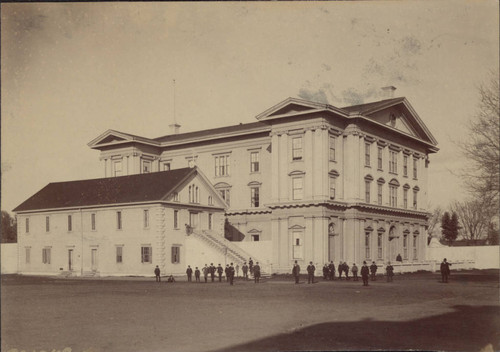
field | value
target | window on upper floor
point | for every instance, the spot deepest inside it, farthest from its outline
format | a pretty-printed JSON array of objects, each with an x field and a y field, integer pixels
[
  {"x": 70, "y": 223},
  {"x": 210, "y": 221},
  {"x": 415, "y": 168},
  {"x": 405, "y": 165},
  {"x": 415, "y": 246},
  {"x": 27, "y": 254},
  {"x": 254, "y": 197},
  {"x": 175, "y": 197},
  {"x": 117, "y": 168},
  {"x": 255, "y": 238},
  {"x": 393, "y": 196},
  {"x": 368, "y": 185},
  {"x": 225, "y": 194},
  {"x": 145, "y": 215},
  {"x": 47, "y": 224},
  {"x": 166, "y": 166},
  {"x": 176, "y": 219},
  {"x": 393, "y": 162},
  {"x": 118, "y": 220},
  {"x": 333, "y": 181},
  {"x": 405, "y": 246},
  {"x": 297, "y": 188},
  {"x": 146, "y": 166},
  {"x": 379, "y": 157},
  {"x": 297, "y": 150},
  {"x": 27, "y": 225},
  {"x": 222, "y": 165},
  {"x": 367, "y": 154},
  {"x": 367, "y": 245},
  {"x": 194, "y": 194},
  {"x": 46, "y": 252},
  {"x": 92, "y": 222},
  {"x": 379, "y": 194},
  {"x": 415, "y": 195},
  {"x": 119, "y": 254},
  {"x": 405, "y": 198},
  {"x": 379, "y": 246},
  {"x": 210, "y": 200},
  {"x": 333, "y": 140},
  {"x": 254, "y": 162}
]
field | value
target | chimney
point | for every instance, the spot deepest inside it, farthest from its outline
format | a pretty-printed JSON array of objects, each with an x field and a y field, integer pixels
[
  {"x": 174, "y": 128},
  {"x": 388, "y": 92}
]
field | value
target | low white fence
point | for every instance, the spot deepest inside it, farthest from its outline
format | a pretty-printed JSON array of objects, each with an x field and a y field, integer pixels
[
  {"x": 8, "y": 258},
  {"x": 468, "y": 257}
]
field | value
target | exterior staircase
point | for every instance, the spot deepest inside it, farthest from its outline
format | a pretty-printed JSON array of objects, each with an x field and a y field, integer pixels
[{"x": 232, "y": 251}]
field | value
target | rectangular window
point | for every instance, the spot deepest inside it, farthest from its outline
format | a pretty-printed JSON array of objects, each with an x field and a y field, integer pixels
[
  {"x": 70, "y": 223},
  {"x": 367, "y": 191},
  {"x": 254, "y": 162},
  {"x": 393, "y": 196},
  {"x": 193, "y": 219},
  {"x": 379, "y": 194},
  {"x": 119, "y": 220},
  {"x": 332, "y": 187},
  {"x": 393, "y": 162},
  {"x": 166, "y": 166},
  {"x": 47, "y": 224},
  {"x": 254, "y": 195},
  {"x": 415, "y": 242},
  {"x": 28, "y": 255},
  {"x": 379, "y": 158},
  {"x": 405, "y": 198},
  {"x": 146, "y": 166},
  {"x": 176, "y": 197},
  {"x": 379, "y": 246},
  {"x": 146, "y": 255},
  {"x": 146, "y": 218},
  {"x": 119, "y": 254},
  {"x": 225, "y": 195},
  {"x": 210, "y": 221},
  {"x": 297, "y": 188},
  {"x": 176, "y": 254},
  {"x": 405, "y": 246},
  {"x": 297, "y": 148},
  {"x": 298, "y": 248},
  {"x": 27, "y": 225},
  {"x": 176, "y": 219},
  {"x": 46, "y": 255},
  {"x": 222, "y": 164},
  {"x": 117, "y": 168},
  {"x": 405, "y": 165},
  {"x": 367, "y": 154},
  {"x": 415, "y": 161},
  {"x": 332, "y": 148},
  {"x": 367, "y": 245},
  {"x": 92, "y": 221},
  {"x": 255, "y": 238},
  {"x": 415, "y": 199}
]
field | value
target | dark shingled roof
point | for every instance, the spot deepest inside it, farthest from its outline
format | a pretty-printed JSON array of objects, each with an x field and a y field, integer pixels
[
  {"x": 102, "y": 191},
  {"x": 362, "y": 108},
  {"x": 210, "y": 132}
]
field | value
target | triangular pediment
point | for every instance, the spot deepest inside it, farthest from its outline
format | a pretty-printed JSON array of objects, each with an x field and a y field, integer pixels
[
  {"x": 111, "y": 139},
  {"x": 294, "y": 106},
  {"x": 116, "y": 137}
]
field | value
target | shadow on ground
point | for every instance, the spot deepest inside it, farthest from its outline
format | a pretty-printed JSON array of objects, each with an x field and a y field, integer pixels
[{"x": 468, "y": 328}]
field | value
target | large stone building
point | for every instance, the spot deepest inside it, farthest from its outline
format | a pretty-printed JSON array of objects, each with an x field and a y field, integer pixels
[{"x": 307, "y": 181}]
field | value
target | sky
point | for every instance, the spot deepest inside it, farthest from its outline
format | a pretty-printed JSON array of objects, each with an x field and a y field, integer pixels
[{"x": 71, "y": 71}]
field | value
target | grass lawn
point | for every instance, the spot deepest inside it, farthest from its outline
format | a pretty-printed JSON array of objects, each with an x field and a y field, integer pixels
[{"x": 415, "y": 311}]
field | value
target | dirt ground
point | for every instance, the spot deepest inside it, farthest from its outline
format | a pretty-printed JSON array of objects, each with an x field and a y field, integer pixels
[{"x": 415, "y": 311}]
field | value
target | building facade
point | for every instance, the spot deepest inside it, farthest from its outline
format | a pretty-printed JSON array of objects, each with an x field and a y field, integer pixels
[{"x": 307, "y": 181}]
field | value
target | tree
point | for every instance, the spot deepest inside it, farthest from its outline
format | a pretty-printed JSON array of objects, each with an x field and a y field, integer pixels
[
  {"x": 9, "y": 228},
  {"x": 475, "y": 216},
  {"x": 450, "y": 231},
  {"x": 434, "y": 219},
  {"x": 493, "y": 235},
  {"x": 482, "y": 149}
]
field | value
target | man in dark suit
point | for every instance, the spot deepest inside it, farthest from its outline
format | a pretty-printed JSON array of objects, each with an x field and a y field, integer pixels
[
  {"x": 296, "y": 272},
  {"x": 219, "y": 272},
  {"x": 157, "y": 274},
  {"x": 373, "y": 271},
  {"x": 445, "y": 270},
  {"x": 310, "y": 273},
  {"x": 256, "y": 272},
  {"x": 212, "y": 271},
  {"x": 230, "y": 273},
  {"x": 365, "y": 271},
  {"x": 189, "y": 273}
]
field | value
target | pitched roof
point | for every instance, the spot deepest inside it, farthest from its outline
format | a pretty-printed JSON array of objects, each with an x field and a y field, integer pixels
[
  {"x": 204, "y": 133},
  {"x": 364, "y": 108},
  {"x": 104, "y": 191}
]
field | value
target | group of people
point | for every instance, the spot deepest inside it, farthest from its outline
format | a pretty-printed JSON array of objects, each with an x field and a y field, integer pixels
[
  {"x": 343, "y": 268},
  {"x": 229, "y": 272}
]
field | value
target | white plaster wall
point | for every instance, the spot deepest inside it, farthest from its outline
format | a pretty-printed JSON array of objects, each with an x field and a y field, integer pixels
[
  {"x": 9, "y": 258},
  {"x": 261, "y": 251},
  {"x": 484, "y": 257}
]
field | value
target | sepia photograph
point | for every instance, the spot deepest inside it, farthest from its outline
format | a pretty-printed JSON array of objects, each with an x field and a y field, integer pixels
[{"x": 250, "y": 176}]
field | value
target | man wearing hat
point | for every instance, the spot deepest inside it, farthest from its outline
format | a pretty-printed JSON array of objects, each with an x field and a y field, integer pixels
[
  {"x": 296, "y": 272},
  {"x": 244, "y": 268},
  {"x": 157, "y": 274},
  {"x": 256, "y": 272},
  {"x": 445, "y": 271},
  {"x": 310, "y": 273},
  {"x": 365, "y": 271}
]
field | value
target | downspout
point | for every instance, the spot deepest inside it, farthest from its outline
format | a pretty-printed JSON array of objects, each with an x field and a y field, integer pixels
[{"x": 81, "y": 230}]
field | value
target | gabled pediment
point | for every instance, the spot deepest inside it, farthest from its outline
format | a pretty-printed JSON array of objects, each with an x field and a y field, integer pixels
[
  {"x": 294, "y": 106},
  {"x": 111, "y": 139},
  {"x": 116, "y": 137}
]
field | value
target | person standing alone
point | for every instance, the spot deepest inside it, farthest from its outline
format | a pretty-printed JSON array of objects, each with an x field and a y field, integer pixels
[
  {"x": 310, "y": 273},
  {"x": 445, "y": 271},
  {"x": 296, "y": 272},
  {"x": 189, "y": 273},
  {"x": 365, "y": 271},
  {"x": 157, "y": 274}
]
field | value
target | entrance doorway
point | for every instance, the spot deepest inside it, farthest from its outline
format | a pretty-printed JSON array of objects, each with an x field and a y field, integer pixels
[
  {"x": 93, "y": 257},
  {"x": 331, "y": 248},
  {"x": 70, "y": 259}
]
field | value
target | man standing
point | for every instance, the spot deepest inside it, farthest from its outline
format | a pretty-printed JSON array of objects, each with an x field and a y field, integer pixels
[
  {"x": 389, "y": 271},
  {"x": 365, "y": 271},
  {"x": 205, "y": 272},
  {"x": 237, "y": 270},
  {"x": 226, "y": 271},
  {"x": 250, "y": 265},
  {"x": 256, "y": 272},
  {"x": 296, "y": 272},
  {"x": 340, "y": 268},
  {"x": 354, "y": 271},
  {"x": 157, "y": 274},
  {"x": 326, "y": 272},
  {"x": 231, "y": 274},
  {"x": 331, "y": 269},
  {"x": 445, "y": 271},
  {"x": 244, "y": 268},
  {"x": 197, "y": 274},
  {"x": 373, "y": 271},
  {"x": 346, "y": 270},
  {"x": 310, "y": 273},
  {"x": 219, "y": 272},
  {"x": 212, "y": 271},
  {"x": 189, "y": 273}
]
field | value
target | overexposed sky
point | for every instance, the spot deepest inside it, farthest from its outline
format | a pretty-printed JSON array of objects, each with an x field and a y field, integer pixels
[{"x": 70, "y": 71}]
